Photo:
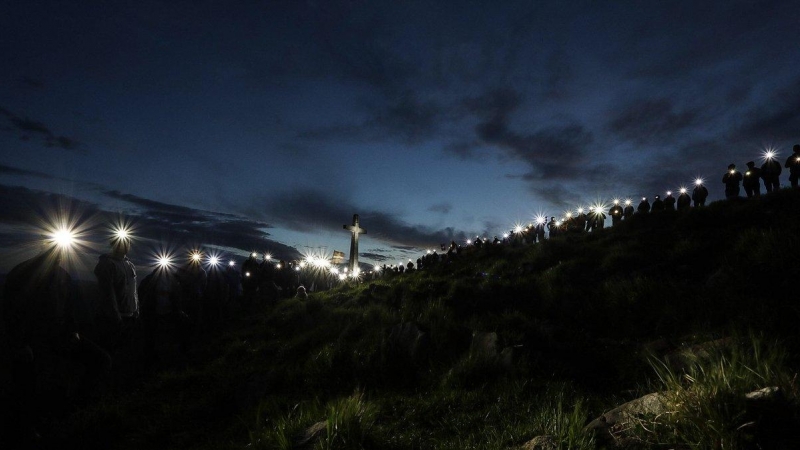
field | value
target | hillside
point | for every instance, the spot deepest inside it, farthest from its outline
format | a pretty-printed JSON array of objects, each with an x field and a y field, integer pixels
[{"x": 501, "y": 345}]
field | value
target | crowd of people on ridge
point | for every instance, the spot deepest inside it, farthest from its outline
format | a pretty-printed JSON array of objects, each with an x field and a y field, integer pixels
[{"x": 159, "y": 317}]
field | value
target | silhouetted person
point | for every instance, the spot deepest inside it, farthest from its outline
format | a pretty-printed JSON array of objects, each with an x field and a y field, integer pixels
[
  {"x": 669, "y": 202},
  {"x": 598, "y": 218},
  {"x": 627, "y": 213},
  {"x": 684, "y": 200},
  {"x": 250, "y": 278},
  {"x": 301, "y": 293},
  {"x": 752, "y": 180},
  {"x": 38, "y": 310},
  {"x": 540, "y": 228},
  {"x": 119, "y": 302},
  {"x": 658, "y": 204},
  {"x": 699, "y": 195},
  {"x": 166, "y": 325},
  {"x": 552, "y": 227},
  {"x": 644, "y": 206},
  {"x": 234, "y": 280},
  {"x": 616, "y": 213},
  {"x": 793, "y": 164},
  {"x": 770, "y": 173},
  {"x": 732, "y": 178},
  {"x": 193, "y": 280},
  {"x": 583, "y": 220}
]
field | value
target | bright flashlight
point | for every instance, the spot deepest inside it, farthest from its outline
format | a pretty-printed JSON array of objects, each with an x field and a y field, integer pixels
[
  {"x": 231, "y": 263},
  {"x": 683, "y": 190},
  {"x": 195, "y": 256},
  {"x": 628, "y": 202},
  {"x": 63, "y": 238},
  {"x": 213, "y": 260},
  {"x": 733, "y": 171},
  {"x": 164, "y": 261},
  {"x": 254, "y": 254},
  {"x": 669, "y": 192},
  {"x": 698, "y": 181}
]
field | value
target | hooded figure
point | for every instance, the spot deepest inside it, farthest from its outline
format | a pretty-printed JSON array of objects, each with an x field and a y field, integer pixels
[
  {"x": 752, "y": 182},
  {"x": 644, "y": 206},
  {"x": 770, "y": 173},
  {"x": 699, "y": 195},
  {"x": 669, "y": 202},
  {"x": 658, "y": 204},
  {"x": 732, "y": 178},
  {"x": 793, "y": 164},
  {"x": 684, "y": 201}
]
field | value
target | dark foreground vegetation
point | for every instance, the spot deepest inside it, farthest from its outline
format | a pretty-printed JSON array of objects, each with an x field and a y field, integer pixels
[{"x": 501, "y": 346}]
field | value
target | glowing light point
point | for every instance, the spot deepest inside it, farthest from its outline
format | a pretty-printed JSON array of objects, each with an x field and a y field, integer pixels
[
  {"x": 518, "y": 229},
  {"x": 698, "y": 181},
  {"x": 195, "y": 256},
  {"x": 231, "y": 263},
  {"x": 669, "y": 192},
  {"x": 628, "y": 202},
  {"x": 683, "y": 190},
  {"x": 254, "y": 254},
  {"x": 213, "y": 260},
  {"x": 63, "y": 238}
]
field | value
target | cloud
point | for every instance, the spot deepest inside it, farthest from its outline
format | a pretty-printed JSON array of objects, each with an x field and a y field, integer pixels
[
  {"x": 555, "y": 152},
  {"x": 177, "y": 226},
  {"x": 8, "y": 170},
  {"x": 310, "y": 210},
  {"x": 403, "y": 116},
  {"x": 651, "y": 121},
  {"x": 27, "y": 127},
  {"x": 778, "y": 118},
  {"x": 443, "y": 208},
  {"x": 374, "y": 256}
]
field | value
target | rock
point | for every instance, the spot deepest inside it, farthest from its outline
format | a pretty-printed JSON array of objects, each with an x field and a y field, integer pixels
[
  {"x": 650, "y": 404},
  {"x": 765, "y": 394},
  {"x": 545, "y": 442},
  {"x": 484, "y": 345},
  {"x": 310, "y": 435},
  {"x": 407, "y": 340}
]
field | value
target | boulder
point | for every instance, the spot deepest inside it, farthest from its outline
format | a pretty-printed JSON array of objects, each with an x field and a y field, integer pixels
[
  {"x": 544, "y": 442},
  {"x": 650, "y": 404}
]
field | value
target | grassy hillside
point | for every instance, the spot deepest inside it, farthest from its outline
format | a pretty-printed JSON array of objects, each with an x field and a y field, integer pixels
[{"x": 583, "y": 323}]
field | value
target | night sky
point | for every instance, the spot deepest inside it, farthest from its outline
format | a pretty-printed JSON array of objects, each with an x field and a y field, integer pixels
[{"x": 265, "y": 125}]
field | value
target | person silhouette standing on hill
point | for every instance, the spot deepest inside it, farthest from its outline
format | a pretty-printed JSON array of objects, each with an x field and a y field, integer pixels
[
  {"x": 771, "y": 172},
  {"x": 627, "y": 213},
  {"x": 669, "y": 202},
  {"x": 658, "y": 204},
  {"x": 793, "y": 164},
  {"x": 39, "y": 301},
  {"x": 644, "y": 206},
  {"x": 616, "y": 213},
  {"x": 700, "y": 194},
  {"x": 119, "y": 300},
  {"x": 752, "y": 180},
  {"x": 684, "y": 201},
  {"x": 732, "y": 178}
]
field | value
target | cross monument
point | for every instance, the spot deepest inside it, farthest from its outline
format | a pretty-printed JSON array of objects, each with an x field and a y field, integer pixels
[{"x": 355, "y": 230}]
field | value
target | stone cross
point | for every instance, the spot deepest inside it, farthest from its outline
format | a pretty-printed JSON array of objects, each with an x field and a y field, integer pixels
[{"x": 355, "y": 230}]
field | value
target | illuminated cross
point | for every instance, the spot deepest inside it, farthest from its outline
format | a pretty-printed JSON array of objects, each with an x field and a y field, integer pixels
[{"x": 355, "y": 230}]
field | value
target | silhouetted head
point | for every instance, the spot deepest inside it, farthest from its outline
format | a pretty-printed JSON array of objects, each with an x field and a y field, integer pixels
[
  {"x": 731, "y": 166},
  {"x": 750, "y": 164},
  {"x": 796, "y": 148}
]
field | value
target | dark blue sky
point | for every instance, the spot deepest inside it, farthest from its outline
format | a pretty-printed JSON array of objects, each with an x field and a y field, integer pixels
[{"x": 266, "y": 125}]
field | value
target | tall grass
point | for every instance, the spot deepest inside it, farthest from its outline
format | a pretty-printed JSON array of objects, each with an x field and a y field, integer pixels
[{"x": 705, "y": 404}]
